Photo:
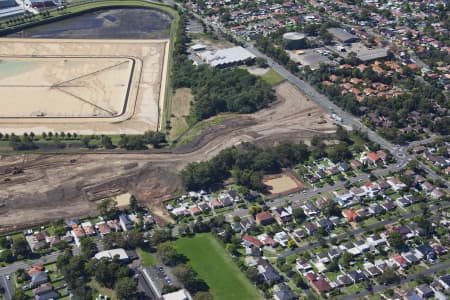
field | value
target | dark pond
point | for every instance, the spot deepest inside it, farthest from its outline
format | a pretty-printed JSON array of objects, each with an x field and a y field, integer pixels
[{"x": 124, "y": 23}]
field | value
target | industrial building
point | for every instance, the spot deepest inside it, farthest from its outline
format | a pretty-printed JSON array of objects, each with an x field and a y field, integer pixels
[
  {"x": 342, "y": 35},
  {"x": 294, "y": 40},
  {"x": 372, "y": 54},
  {"x": 226, "y": 57},
  {"x": 9, "y": 8}
]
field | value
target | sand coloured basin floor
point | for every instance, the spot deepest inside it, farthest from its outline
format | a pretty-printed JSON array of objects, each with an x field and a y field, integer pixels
[{"x": 87, "y": 86}]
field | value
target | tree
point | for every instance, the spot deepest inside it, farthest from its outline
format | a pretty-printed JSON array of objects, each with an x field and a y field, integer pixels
[
  {"x": 188, "y": 277},
  {"x": 88, "y": 247},
  {"x": 85, "y": 140},
  {"x": 4, "y": 243},
  {"x": 345, "y": 259},
  {"x": 106, "y": 142},
  {"x": 7, "y": 256},
  {"x": 331, "y": 209},
  {"x": 126, "y": 288},
  {"x": 160, "y": 236},
  {"x": 396, "y": 241},
  {"x": 19, "y": 294},
  {"x": 169, "y": 255},
  {"x": 333, "y": 266},
  {"x": 133, "y": 203},
  {"x": 134, "y": 239},
  {"x": 389, "y": 277},
  {"x": 20, "y": 248},
  {"x": 299, "y": 215},
  {"x": 253, "y": 274},
  {"x": 107, "y": 207},
  {"x": 114, "y": 240},
  {"x": 291, "y": 244},
  {"x": 255, "y": 209}
]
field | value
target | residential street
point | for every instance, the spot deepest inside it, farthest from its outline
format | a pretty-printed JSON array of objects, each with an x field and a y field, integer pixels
[
  {"x": 380, "y": 288},
  {"x": 361, "y": 230}
]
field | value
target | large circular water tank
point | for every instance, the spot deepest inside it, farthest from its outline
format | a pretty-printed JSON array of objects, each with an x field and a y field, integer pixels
[{"x": 294, "y": 40}]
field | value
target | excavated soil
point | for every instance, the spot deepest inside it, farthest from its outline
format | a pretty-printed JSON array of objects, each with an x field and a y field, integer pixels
[{"x": 36, "y": 188}]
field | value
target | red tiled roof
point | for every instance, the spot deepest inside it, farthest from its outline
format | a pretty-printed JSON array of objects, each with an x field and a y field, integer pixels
[
  {"x": 399, "y": 259},
  {"x": 321, "y": 285},
  {"x": 349, "y": 214},
  {"x": 373, "y": 156},
  {"x": 265, "y": 215},
  {"x": 252, "y": 240}
]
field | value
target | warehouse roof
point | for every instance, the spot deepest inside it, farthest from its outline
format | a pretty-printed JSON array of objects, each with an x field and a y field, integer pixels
[
  {"x": 372, "y": 54},
  {"x": 341, "y": 34},
  {"x": 226, "y": 56}
]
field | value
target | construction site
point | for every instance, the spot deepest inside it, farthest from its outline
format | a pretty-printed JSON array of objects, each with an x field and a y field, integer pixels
[
  {"x": 87, "y": 86},
  {"x": 44, "y": 187}
]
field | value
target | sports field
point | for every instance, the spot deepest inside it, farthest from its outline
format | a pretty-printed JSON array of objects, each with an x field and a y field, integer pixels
[
  {"x": 87, "y": 86},
  {"x": 215, "y": 266}
]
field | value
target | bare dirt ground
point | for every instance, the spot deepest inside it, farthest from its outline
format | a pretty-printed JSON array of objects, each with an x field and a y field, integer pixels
[
  {"x": 280, "y": 184},
  {"x": 87, "y": 86},
  {"x": 67, "y": 185}
]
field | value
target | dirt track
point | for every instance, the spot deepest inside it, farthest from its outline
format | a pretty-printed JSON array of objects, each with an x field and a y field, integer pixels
[{"x": 52, "y": 187}]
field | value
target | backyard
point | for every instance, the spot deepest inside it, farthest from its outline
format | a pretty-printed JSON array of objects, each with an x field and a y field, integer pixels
[{"x": 212, "y": 263}]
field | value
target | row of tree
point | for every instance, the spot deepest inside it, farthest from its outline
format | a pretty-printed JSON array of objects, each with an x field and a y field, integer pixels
[{"x": 128, "y": 142}]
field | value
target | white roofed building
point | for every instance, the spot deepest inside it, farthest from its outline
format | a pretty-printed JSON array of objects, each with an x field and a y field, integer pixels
[{"x": 225, "y": 57}]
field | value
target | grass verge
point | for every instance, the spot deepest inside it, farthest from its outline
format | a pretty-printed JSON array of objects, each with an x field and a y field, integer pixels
[
  {"x": 147, "y": 258},
  {"x": 272, "y": 77}
]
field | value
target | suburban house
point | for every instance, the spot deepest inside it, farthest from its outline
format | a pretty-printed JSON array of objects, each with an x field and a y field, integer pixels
[
  {"x": 38, "y": 278},
  {"x": 125, "y": 222},
  {"x": 37, "y": 240},
  {"x": 319, "y": 284},
  {"x": 77, "y": 233},
  {"x": 45, "y": 292},
  {"x": 309, "y": 209},
  {"x": 268, "y": 271},
  {"x": 424, "y": 291},
  {"x": 283, "y": 214},
  {"x": 281, "y": 238},
  {"x": 396, "y": 184},
  {"x": 445, "y": 281},
  {"x": 399, "y": 261},
  {"x": 88, "y": 228},
  {"x": 103, "y": 228},
  {"x": 264, "y": 218},
  {"x": 283, "y": 292},
  {"x": 249, "y": 241},
  {"x": 349, "y": 215},
  {"x": 357, "y": 276}
]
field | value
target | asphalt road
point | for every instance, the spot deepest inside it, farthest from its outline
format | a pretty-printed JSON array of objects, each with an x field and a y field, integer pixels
[
  {"x": 380, "y": 288},
  {"x": 7, "y": 285}
]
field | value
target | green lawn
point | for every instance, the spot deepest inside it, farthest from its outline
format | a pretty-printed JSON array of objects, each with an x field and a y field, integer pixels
[
  {"x": 147, "y": 258},
  {"x": 272, "y": 77},
  {"x": 214, "y": 265}
]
